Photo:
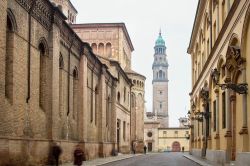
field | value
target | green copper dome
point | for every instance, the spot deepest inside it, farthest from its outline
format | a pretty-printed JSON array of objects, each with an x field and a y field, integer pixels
[{"x": 160, "y": 41}]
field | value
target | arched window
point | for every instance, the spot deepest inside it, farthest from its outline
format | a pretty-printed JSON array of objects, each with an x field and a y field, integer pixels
[
  {"x": 163, "y": 74},
  {"x": 61, "y": 62},
  {"x": 132, "y": 100},
  {"x": 101, "y": 49},
  {"x": 94, "y": 48},
  {"x": 108, "y": 50},
  {"x": 160, "y": 74},
  {"x": 61, "y": 101},
  {"x": 75, "y": 92},
  {"x": 10, "y": 28},
  {"x": 108, "y": 111},
  {"x": 43, "y": 80}
]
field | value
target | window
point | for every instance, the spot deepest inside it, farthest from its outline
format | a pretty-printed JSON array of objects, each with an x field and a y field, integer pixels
[
  {"x": 223, "y": 110},
  {"x": 124, "y": 130},
  {"x": 107, "y": 111},
  {"x": 43, "y": 80},
  {"x": 9, "y": 60},
  {"x": 124, "y": 94},
  {"x": 118, "y": 97},
  {"x": 150, "y": 134},
  {"x": 160, "y": 74},
  {"x": 108, "y": 50},
  {"x": 61, "y": 96},
  {"x": 160, "y": 92},
  {"x": 94, "y": 48},
  {"x": 176, "y": 133},
  {"x": 132, "y": 100},
  {"x": 160, "y": 105},
  {"x": 101, "y": 49},
  {"x": 214, "y": 105},
  {"x": 90, "y": 93}
]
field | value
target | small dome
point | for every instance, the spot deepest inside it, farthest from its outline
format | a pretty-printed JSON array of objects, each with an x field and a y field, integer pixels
[{"x": 160, "y": 41}]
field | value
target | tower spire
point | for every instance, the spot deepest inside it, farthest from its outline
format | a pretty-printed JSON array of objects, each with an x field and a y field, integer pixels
[{"x": 160, "y": 32}]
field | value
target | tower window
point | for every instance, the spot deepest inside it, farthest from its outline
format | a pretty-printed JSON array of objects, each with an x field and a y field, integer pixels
[
  {"x": 160, "y": 105},
  {"x": 160, "y": 74}
]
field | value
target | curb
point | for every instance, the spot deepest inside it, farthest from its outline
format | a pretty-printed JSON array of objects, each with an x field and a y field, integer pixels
[
  {"x": 117, "y": 160},
  {"x": 202, "y": 163}
]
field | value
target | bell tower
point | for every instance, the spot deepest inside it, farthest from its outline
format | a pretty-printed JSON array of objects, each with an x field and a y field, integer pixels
[{"x": 160, "y": 82}]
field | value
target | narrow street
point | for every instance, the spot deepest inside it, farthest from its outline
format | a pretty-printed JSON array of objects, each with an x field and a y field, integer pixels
[{"x": 155, "y": 159}]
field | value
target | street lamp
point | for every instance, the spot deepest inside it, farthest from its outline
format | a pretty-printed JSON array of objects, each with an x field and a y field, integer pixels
[{"x": 238, "y": 88}]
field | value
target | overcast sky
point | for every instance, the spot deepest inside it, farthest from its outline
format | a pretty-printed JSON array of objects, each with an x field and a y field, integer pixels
[{"x": 143, "y": 19}]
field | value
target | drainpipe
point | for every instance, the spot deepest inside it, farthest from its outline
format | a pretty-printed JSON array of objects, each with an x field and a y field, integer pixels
[
  {"x": 69, "y": 50},
  {"x": 130, "y": 115},
  {"x": 29, "y": 49}
]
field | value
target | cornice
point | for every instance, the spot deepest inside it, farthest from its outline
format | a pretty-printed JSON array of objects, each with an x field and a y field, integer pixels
[
  {"x": 106, "y": 25},
  {"x": 196, "y": 24},
  {"x": 218, "y": 40}
]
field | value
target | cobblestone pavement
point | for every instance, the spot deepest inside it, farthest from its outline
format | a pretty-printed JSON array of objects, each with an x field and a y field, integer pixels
[{"x": 155, "y": 159}]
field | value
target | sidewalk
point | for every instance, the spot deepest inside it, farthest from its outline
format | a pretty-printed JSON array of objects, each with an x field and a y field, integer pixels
[
  {"x": 205, "y": 162},
  {"x": 101, "y": 161},
  {"x": 200, "y": 161}
]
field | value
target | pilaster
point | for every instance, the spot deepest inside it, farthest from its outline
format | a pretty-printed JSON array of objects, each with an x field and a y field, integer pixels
[{"x": 54, "y": 51}]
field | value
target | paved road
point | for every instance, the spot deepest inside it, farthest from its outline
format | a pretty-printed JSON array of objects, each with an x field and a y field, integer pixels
[{"x": 155, "y": 159}]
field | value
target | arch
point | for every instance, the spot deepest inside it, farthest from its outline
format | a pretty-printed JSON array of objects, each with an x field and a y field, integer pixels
[
  {"x": 43, "y": 46},
  {"x": 134, "y": 82},
  {"x": 11, "y": 20},
  {"x": 176, "y": 146},
  {"x": 108, "y": 50},
  {"x": 245, "y": 33},
  {"x": 61, "y": 62},
  {"x": 101, "y": 49},
  {"x": 44, "y": 78},
  {"x": 94, "y": 48}
]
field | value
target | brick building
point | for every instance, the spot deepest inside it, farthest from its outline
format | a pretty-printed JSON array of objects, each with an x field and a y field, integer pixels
[{"x": 53, "y": 88}]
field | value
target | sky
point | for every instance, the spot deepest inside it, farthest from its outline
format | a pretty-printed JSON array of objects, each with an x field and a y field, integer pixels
[{"x": 144, "y": 19}]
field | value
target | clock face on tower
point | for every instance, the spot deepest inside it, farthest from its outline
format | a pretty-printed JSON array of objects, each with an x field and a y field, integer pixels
[{"x": 160, "y": 82}]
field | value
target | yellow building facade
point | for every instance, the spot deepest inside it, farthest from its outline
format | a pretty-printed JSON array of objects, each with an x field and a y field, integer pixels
[
  {"x": 173, "y": 139},
  {"x": 219, "y": 49}
]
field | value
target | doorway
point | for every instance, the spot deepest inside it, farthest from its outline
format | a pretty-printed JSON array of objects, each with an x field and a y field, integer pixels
[
  {"x": 118, "y": 135},
  {"x": 150, "y": 146},
  {"x": 176, "y": 147}
]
